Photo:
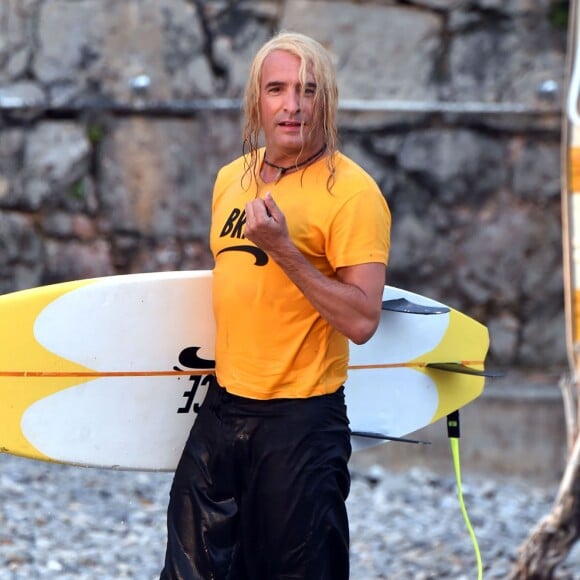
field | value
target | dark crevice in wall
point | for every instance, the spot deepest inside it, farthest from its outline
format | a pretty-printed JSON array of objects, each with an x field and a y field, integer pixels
[{"x": 220, "y": 71}]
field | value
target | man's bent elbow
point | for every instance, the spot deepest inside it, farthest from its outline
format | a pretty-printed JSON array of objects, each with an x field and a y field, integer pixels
[{"x": 363, "y": 332}]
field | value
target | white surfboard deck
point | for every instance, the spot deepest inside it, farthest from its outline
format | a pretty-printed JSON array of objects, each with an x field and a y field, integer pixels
[{"x": 90, "y": 371}]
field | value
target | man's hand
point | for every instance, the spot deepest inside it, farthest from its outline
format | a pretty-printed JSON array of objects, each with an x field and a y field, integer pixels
[{"x": 266, "y": 224}]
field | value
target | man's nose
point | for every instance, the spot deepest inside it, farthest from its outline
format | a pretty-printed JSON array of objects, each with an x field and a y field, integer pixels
[{"x": 292, "y": 102}]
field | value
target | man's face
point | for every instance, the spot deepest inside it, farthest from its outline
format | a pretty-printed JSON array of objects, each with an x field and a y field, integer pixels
[{"x": 285, "y": 106}]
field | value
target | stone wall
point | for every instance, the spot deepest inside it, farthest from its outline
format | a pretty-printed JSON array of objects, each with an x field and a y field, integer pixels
[{"x": 116, "y": 115}]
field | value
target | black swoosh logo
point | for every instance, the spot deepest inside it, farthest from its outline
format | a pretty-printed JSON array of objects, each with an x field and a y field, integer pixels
[
  {"x": 259, "y": 255},
  {"x": 188, "y": 358}
]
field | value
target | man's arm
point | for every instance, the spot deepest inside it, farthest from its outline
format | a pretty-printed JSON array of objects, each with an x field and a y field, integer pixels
[{"x": 351, "y": 302}]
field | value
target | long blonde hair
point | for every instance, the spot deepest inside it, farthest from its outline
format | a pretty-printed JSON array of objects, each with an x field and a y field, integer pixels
[{"x": 314, "y": 56}]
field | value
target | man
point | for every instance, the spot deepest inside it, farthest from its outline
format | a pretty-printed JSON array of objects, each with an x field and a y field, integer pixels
[{"x": 300, "y": 237}]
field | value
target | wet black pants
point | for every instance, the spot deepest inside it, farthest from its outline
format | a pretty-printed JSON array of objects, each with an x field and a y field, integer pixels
[{"x": 260, "y": 490}]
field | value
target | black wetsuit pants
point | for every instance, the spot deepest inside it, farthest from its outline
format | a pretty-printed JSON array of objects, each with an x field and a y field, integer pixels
[{"x": 260, "y": 490}]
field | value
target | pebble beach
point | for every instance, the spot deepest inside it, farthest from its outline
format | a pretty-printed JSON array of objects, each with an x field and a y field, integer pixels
[{"x": 63, "y": 522}]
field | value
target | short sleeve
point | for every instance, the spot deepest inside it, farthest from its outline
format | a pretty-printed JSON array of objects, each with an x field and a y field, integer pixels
[{"x": 360, "y": 231}]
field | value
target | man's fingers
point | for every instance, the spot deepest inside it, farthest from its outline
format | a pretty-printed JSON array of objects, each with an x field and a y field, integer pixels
[
  {"x": 272, "y": 207},
  {"x": 256, "y": 213}
]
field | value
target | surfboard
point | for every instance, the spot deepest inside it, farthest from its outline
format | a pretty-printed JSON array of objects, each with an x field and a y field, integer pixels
[
  {"x": 110, "y": 372},
  {"x": 571, "y": 192}
]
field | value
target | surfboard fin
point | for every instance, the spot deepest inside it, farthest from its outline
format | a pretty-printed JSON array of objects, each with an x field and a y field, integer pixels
[
  {"x": 455, "y": 367},
  {"x": 404, "y": 305},
  {"x": 371, "y": 435}
]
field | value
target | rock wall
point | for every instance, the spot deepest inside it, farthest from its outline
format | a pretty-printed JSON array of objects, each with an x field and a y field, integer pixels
[{"x": 116, "y": 114}]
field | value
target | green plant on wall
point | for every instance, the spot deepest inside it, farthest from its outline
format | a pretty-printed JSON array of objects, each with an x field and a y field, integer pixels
[
  {"x": 558, "y": 13},
  {"x": 78, "y": 189},
  {"x": 95, "y": 133}
]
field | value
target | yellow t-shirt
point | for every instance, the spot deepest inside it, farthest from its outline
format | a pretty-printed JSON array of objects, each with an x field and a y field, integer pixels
[{"x": 270, "y": 341}]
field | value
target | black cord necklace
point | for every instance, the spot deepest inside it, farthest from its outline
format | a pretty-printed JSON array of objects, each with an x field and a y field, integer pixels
[{"x": 283, "y": 170}]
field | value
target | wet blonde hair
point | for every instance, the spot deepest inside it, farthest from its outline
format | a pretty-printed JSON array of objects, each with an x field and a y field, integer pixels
[{"x": 312, "y": 56}]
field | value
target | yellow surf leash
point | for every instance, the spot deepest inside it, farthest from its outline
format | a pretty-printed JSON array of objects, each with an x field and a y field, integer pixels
[{"x": 453, "y": 432}]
